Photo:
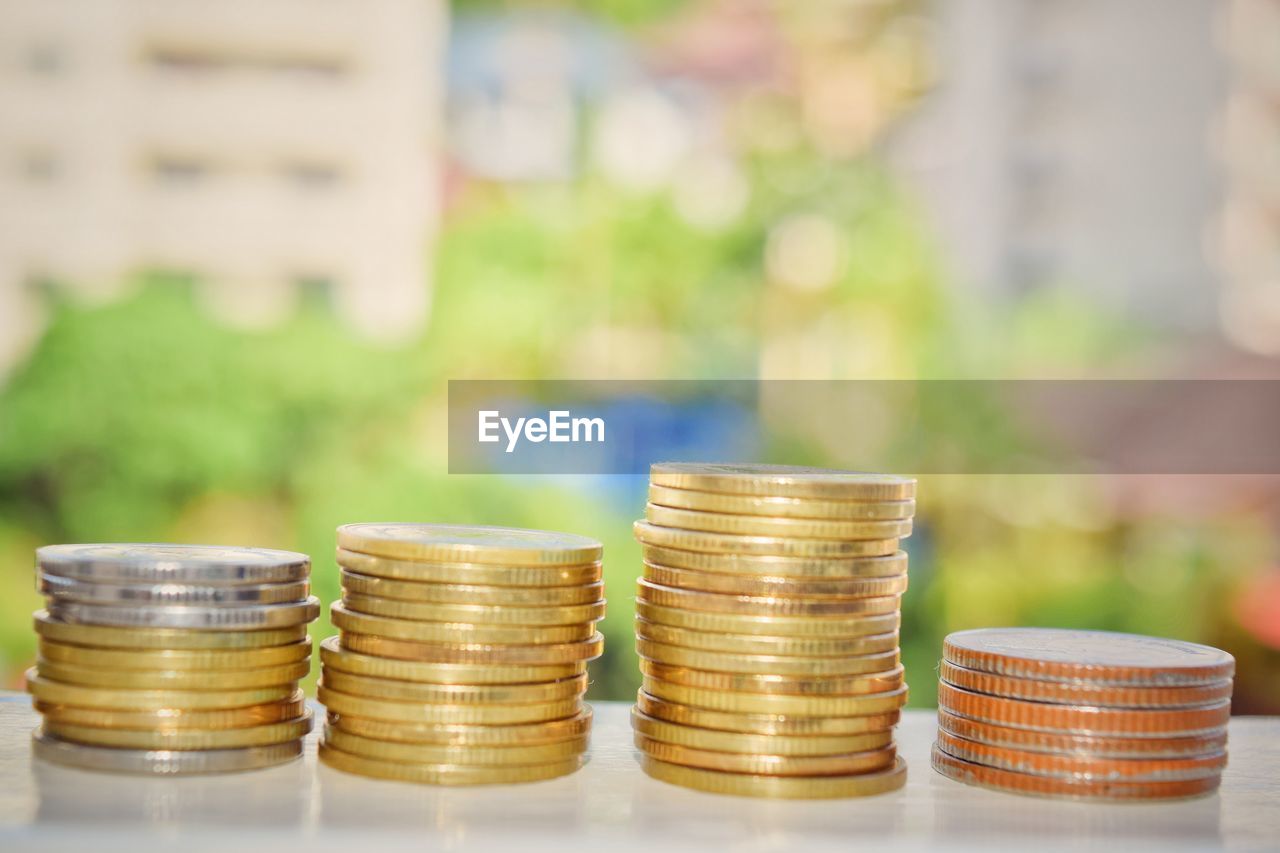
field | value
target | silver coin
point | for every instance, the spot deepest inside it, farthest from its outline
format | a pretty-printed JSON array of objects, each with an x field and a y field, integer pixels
[
  {"x": 161, "y": 762},
  {"x": 216, "y": 618},
  {"x": 59, "y": 588},
  {"x": 161, "y": 563}
]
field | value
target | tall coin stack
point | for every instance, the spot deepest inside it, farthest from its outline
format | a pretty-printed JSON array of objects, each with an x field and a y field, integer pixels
[
  {"x": 463, "y": 653},
  {"x": 767, "y": 629},
  {"x": 1082, "y": 714},
  {"x": 171, "y": 659}
]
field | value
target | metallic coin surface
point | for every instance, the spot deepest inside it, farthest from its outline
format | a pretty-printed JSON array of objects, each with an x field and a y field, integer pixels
[
  {"x": 474, "y": 594},
  {"x": 167, "y": 739},
  {"x": 1084, "y": 692},
  {"x": 426, "y": 753},
  {"x": 765, "y": 724},
  {"x": 167, "y": 719},
  {"x": 217, "y": 618},
  {"x": 466, "y": 735},
  {"x": 779, "y": 787},
  {"x": 179, "y": 679},
  {"x": 776, "y": 703},
  {"x": 764, "y": 644},
  {"x": 849, "y": 685},
  {"x": 768, "y": 765},
  {"x": 775, "y": 587},
  {"x": 417, "y": 571},
  {"x": 455, "y": 694},
  {"x": 474, "y": 653},
  {"x": 784, "y": 480},
  {"x": 338, "y": 659},
  {"x": 58, "y": 693},
  {"x": 418, "y": 712},
  {"x": 766, "y": 664},
  {"x": 111, "y": 637},
  {"x": 450, "y": 542},
  {"x": 446, "y": 774},
  {"x": 751, "y": 605},
  {"x": 346, "y": 619},
  {"x": 754, "y": 744},
  {"x": 499, "y": 614},
  {"x": 161, "y": 762},
  {"x": 776, "y": 546},
  {"x": 202, "y": 660},
  {"x": 816, "y": 568},
  {"x": 1054, "y": 654},
  {"x": 761, "y": 525},
  {"x": 164, "y": 563},
  {"x": 1086, "y": 745},
  {"x": 781, "y": 507},
  {"x": 60, "y": 588},
  {"x": 781, "y": 626}
]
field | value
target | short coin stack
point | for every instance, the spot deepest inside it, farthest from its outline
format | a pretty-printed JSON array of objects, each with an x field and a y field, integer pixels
[
  {"x": 767, "y": 629},
  {"x": 1082, "y": 714},
  {"x": 171, "y": 659},
  {"x": 463, "y": 653}
]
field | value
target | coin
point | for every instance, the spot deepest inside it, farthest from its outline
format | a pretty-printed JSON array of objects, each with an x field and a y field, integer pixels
[
  {"x": 457, "y": 593},
  {"x": 462, "y": 633},
  {"x": 334, "y": 657},
  {"x": 182, "y": 679},
  {"x": 218, "y": 618},
  {"x": 764, "y": 724},
  {"x": 72, "y": 589},
  {"x": 470, "y": 573},
  {"x": 1081, "y": 768},
  {"x": 661, "y": 730},
  {"x": 768, "y": 765},
  {"x": 765, "y": 644},
  {"x": 1103, "y": 657},
  {"x": 489, "y": 545},
  {"x": 467, "y": 735},
  {"x": 765, "y": 664},
  {"x": 776, "y": 703},
  {"x": 417, "y": 712},
  {"x": 750, "y": 605},
  {"x": 176, "y": 718},
  {"x": 57, "y": 693},
  {"x": 782, "y": 480},
  {"x": 775, "y": 587},
  {"x": 455, "y": 694},
  {"x": 1097, "y": 746},
  {"x": 781, "y": 507},
  {"x": 780, "y": 787},
  {"x": 853, "y": 685},
  {"x": 174, "y": 659},
  {"x": 776, "y": 546},
  {"x": 1083, "y": 692},
  {"x": 446, "y": 774},
  {"x": 782, "y": 626},
  {"x": 575, "y": 614},
  {"x": 161, "y": 762},
  {"x": 475, "y": 653},
  {"x": 111, "y": 637},
  {"x": 196, "y": 739},
  {"x": 1083, "y": 719},
  {"x": 162, "y": 563},
  {"x": 833, "y": 568},
  {"x": 759, "y": 525},
  {"x": 426, "y": 753},
  {"x": 1022, "y": 783}
]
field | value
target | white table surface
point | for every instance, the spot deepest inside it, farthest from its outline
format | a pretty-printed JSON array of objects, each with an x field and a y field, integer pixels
[{"x": 608, "y": 807}]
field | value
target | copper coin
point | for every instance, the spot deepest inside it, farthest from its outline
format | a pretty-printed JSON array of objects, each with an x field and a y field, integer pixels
[
  {"x": 1084, "y": 692},
  {"x": 1066, "y": 744},
  {"x": 775, "y": 586}
]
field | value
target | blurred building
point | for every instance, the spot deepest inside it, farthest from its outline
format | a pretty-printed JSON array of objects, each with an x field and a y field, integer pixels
[{"x": 266, "y": 149}]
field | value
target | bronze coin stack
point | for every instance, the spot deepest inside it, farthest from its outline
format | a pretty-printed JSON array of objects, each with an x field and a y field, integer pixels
[
  {"x": 1090, "y": 715},
  {"x": 767, "y": 629},
  {"x": 171, "y": 659},
  {"x": 462, "y": 655}
]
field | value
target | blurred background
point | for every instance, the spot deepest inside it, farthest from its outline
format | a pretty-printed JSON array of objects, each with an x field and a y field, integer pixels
[{"x": 244, "y": 244}]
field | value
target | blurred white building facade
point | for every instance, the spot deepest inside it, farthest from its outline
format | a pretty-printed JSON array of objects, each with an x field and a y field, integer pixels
[{"x": 260, "y": 147}]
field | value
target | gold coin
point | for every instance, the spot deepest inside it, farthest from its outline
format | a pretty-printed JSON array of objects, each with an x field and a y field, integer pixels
[
  {"x": 753, "y": 744},
  {"x": 849, "y": 685},
  {"x": 457, "y": 633},
  {"x": 111, "y": 637},
  {"x": 262, "y": 735},
  {"x": 475, "y": 653},
  {"x": 647, "y": 533},
  {"x": 774, "y": 587},
  {"x": 839, "y": 568},
  {"x": 788, "y": 480},
  {"x": 504, "y": 546},
  {"x": 474, "y": 594},
  {"x": 181, "y": 679},
  {"x": 57, "y": 693},
  {"x": 454, "y": 694},
  {"x": 667, "y": 596},
  {"x": 201, "y": 660},
  {"x": 778, "y": 787},
  {"x": 776, "y": 703},
  {"x": 764, "y": 644},
  {"x": 765, "y": 664},
  {"x": 334, "y": 657},
  {"x": 426, "y": 753},
  {"x": 165, "y": 719},
  {"x": 417, "y": 712},
  {"x": 446, "y": 774},
  {"x": 465, "y": 735},
  {"x": 423, "y": 611},
  {"x": 768, "y": 765},
  {"x": 779, "y": 626},
  {"x": 470, "y": 573},
  {"x": 761, "y": 525},
  {"x": 781, "y": 507},
  {"x": 764, "y": 724}
]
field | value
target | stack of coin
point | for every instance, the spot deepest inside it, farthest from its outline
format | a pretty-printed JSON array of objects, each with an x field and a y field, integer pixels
[
  {"x": 767, "y": 629},
  {"x": 1082, "y": 714},
  {"x": 171, "y": 659},
  {"x": 463, "y": 653}
]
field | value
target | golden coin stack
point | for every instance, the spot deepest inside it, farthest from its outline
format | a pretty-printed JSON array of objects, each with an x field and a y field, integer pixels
[
  {"x": 462, "y": 658},
  {"x": 767, "y": 629},
  {"x": 1083, "y": 714},
  {"x": 171, "y": 659}
]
